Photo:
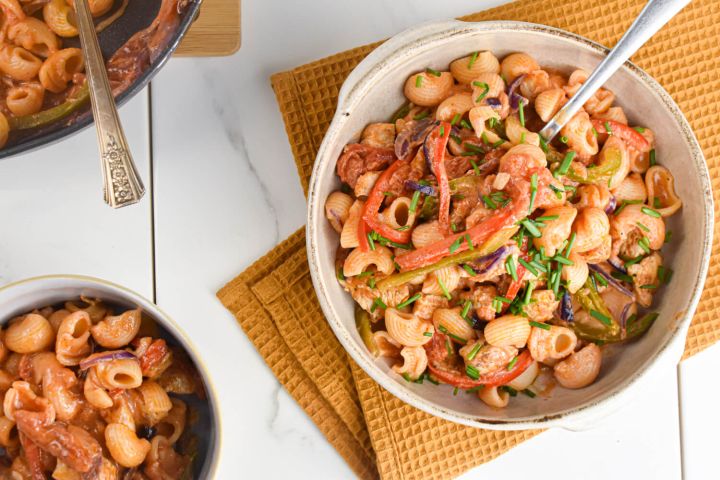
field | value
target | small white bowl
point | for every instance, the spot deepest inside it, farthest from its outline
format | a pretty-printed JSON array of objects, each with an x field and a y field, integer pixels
[
  {"x": 373, "y": 91},
  {"x": 26, "y": 295}
]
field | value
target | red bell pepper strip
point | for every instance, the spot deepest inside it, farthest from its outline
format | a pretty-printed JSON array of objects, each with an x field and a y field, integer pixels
[
  {"x": 627, "y": 134},
  {"x": 362, "y": 232},
  {"x": 478, "y": 234},
  {"x": 515, "y": 285},
  {"x": 439, "y": 137},
  {"x": 374, "y": 202},
  {"x": 450, "y": 369}
]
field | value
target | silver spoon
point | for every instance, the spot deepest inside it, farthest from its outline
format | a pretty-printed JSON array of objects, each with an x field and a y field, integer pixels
[
  {"x": 122, "y": 184},
  {"x": 651, "y": 19}
]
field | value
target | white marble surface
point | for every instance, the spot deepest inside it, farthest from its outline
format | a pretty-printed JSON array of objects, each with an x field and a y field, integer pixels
[{"x": 225, "y": 191}]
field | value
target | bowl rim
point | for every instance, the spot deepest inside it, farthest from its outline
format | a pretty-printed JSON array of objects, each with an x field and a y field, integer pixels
[
  {"x": 586, "y": 412},
  {"x": 168, "y": 322}
]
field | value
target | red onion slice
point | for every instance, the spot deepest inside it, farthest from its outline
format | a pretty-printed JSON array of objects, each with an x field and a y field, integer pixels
[
  {"x": 610, "y": 208},
  {"x": 424, "y": 189},
  {"x": 105, "y": 357},
  {"x": 566, "y": 308},
  {"x": 611, "y": 281},
  {"x": 514, "y": 96}
]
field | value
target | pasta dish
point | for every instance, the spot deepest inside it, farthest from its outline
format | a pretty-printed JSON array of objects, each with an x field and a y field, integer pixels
[
  {"x": 93, "y": 393},
  {"x": 482, "y": 256}
]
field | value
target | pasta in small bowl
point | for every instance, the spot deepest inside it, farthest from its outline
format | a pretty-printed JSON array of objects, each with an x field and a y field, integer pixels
[
  {"x": 482, "y": 273},
  {"x": 97, "y": 382}
]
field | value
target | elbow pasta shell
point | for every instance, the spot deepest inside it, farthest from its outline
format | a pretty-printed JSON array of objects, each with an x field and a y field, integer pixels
[
  {"x": 430, "y": 90},
  {"x": 525, "y": 379},
  {"x": 407, "y": 329},
  {"x": 380, "y": 135},
  {"x": 426, "y": 234},
  {"x": 124, "y": 373},
  {"x": 600, "y": 102},
  {"x": 517, "y": 64},
  {"x": 660, "y": 185},
  {"x": 35, "y": 36},
  {"x": 542, "y": 306},
  {"x": 12, "y": 10},
  {"x": 576, "y": 274},
  {"x": 59, "y": 69},
  {"x": 507, "y": 331},
  {"x": 494, "y": 397},
  {"x": 337, "y": 209},
  {"x": 118, "y": 330},
  {"x": 365, "y": 183},
  {"x": 626, "y": 222},
  {"x": 458, "y": 104},
  {"x": 98, "y": 8},
  {"x": 425, "y": 306},
  {"x": 594, "y": 195},
  {"x": 398, "y": 214},
  {"x": 548, "y": 103},
  {"x": 22, "y": 397},
  {"x": 535, "y": 83},
  {"x": 173, "y": 425},
  {"x": 73, "y": 335},
  {"x": 358, "y": 261},
  {"x": 612, "y": 146},
  {"x": 487, "y": 85},
  {"x": 553, "y": 344},
  {"x": 447, "y": 277},
  {"x": 478, "y": 116},
  {"x": 32, "y": 333},
  {"x": 556, "y": 231},
  {"x": 8, "y": 433},
  {"x": 387, "y": 346},
  {"x": 25, "y": 99},
  {"x": 600, "y": 253},
  {"x": 125, "y": 447},
  {"x": 580, "y": 135},
  {"x": 581, "y": 368},
  {"x": 349, "y": 233},
  {"x": 60, "y": 17},
  {"x": 519, "y": 135},
  {"x": 94, "y": 393},
  {"x": 93, "y": 306},
  {"x": 631, "y": 189},
  {"x": 533, "y": 153},
  {"x": 156, "y": 403},
  {"x": 414, "y": 362},
  {"x": 465, "y": 72},
  {"x": 449, "y": 320},
  {"x": 590, "y": 227},
  {"x": 18, "y": 63},
  {"x": 616, "y": 114}
]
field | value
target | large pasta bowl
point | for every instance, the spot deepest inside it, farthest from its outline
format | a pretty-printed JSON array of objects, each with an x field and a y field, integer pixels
[
  {"x": 374, "y": 90},
  {"x": 203, "y": 414}
]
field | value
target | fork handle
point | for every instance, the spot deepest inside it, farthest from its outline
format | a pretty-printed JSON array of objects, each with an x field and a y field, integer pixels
[
  {"x": 651, "y": 19},
  {"x": 122, "y": 183}
]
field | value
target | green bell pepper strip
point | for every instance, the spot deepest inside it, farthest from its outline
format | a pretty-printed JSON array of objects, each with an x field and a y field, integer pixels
[
  {"x": 640, "y": 326},
  {"x": 602, "y": 172},
  {"x": 362, "y": 323},
  {"x": 497, "y": 240},
  {"x": 590, "y": 299},
  {"x": 50, "y": 115}
]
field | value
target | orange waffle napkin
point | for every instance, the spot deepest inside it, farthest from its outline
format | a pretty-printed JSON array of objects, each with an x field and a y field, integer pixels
[{"x": 274, "y": 303}]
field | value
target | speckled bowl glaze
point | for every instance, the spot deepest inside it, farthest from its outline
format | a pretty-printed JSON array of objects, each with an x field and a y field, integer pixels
[
  {"x": 25, "y": 295},
  {"x": 373, "y": 91}
]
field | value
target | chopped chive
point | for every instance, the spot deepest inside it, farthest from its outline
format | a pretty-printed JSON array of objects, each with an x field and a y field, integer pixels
[
  {"x": 469, "y": 270},
  {"x": 476, "y": 348},
  {"x": 607, "y": 127},
  {"x": 378, "y": 303},
  {"x": 594, "y": 132},
  {"x": 341, "y": 274},
  {"x": 529, "y": 393},
  {"x": 533, "y": 189},
  {"x": 510, "y": 390},
  {"x": 493, "y": 122},
  {"x": 528, "y": 293},
  {"x": 448, "y": 347},
  {"x": 543, "y": 144},
  {"x": 489, "y": 202},
  {"x": 563, "y": 260},
  {"x": 451, "y": 335},
  {"x": 472, "y": 60},
  {"x": 601, "y": 316},
  {"x": 668, "y": 236},
  {"x": 512, "y": 363},
  {"x": 473, "y": 148},
  {"x": 432, "y": 72},
  {"x": 484, "y": 138},
  {"x": 600, "y": 279},
  {"x": 371, "y": 283},
  {"x": 522, "y": 138},
  {"x": 633, "y": 261},
  {"x": 465, "y": 124},
  {"x": 531, "y": 228},
  {"x": 453, "y": 227},
  {"x": 664, "y": 274},
  {"x": 643, "y": 227},
  {"x": 570, "y": 245},
  {"x": 565, "y": 165},
  {"x": 539, "y": 266},
  {"x": 563, "y": 139},
  {"x": 503, "y": 299},
  {"x": 455, "y": 138},
  {"x": 455, "y": 119},
  {"x": 410, "y": 301},
  {"x": 652, "y": 157},
  {"x": 544, "y": 326},
  {"x": 421, "y": 115},
  {"x": 472, "y": 372},
  {"x": 649, "y": 286},
  {"x": 547, "y": 218},
  {"x": 475, "y": 389},
  {"x": 455, "y": 391},
  {"x": 371, "y": 241},
  {"x": 442, "y": 130},
  {"x": 444, "y": 289},
  {"x": 656, "y": 202},
  {"x": 470, "y": 245},
  {"x": 529, "y": 267},
  {"x": 428, "y": 334},
  {"x": 497, "y": 305},
  {"x": 485, "y": 91},
  {"x": 521, "y": 112},
  {"x": 644, "y": 244},
  {"x": 639, "y": 129},
  {"x": 558, "y": 192},
  {"x": 650, "y": 212},
  {"x": 475, "y": 167},
  {"x": 418, "y": 81},
  {"x": 456, "y": 244},
  {"x": 498, "y": 143},
  {"x": 414, "y": 202},
  {"x": 432, "y": 380},
  {"x": 511, "y": 268},
  {"x": 466, "y": 309},
  {"x": 403, "y": 228},
  {"x": 622, "y": 276},
  {"x": 406, "y": 376}
]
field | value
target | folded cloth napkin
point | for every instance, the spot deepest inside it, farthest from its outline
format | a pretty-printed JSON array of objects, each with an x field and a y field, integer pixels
[{"x": 274, "y": 301}]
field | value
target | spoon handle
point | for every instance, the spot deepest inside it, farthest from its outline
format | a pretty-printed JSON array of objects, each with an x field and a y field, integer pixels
[
  {"x": 651, "y": 19},
  {"x": 122, "y": 184}
]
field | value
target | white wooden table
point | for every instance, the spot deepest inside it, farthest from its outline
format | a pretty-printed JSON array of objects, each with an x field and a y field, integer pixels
[{"x": 211, "y": 147}]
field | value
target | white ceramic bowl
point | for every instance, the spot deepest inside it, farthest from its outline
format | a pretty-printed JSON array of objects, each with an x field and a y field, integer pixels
[
  {"x": 373, "y": 91},
  {"x": 23, "y": 296}
]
